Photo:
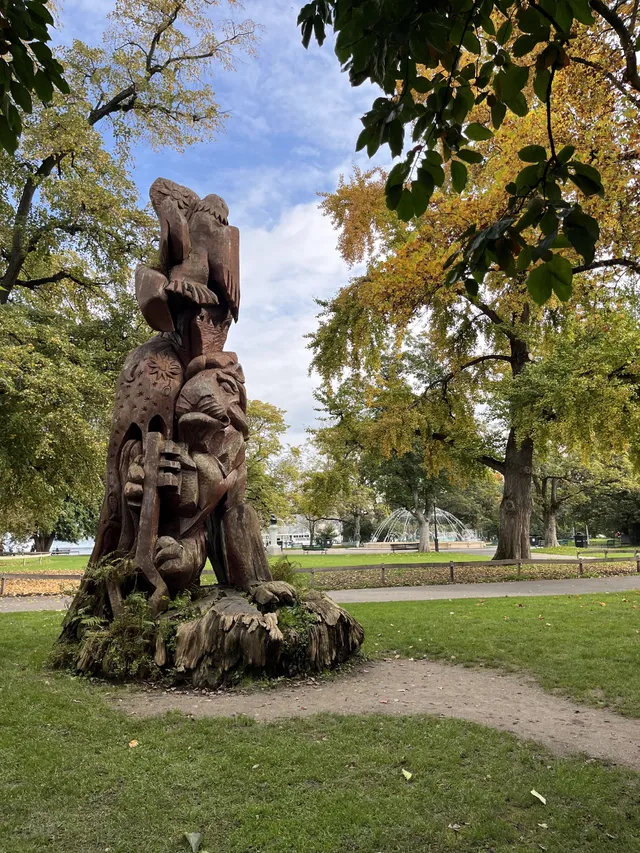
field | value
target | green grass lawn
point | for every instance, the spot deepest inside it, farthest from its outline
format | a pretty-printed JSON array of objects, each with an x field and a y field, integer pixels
[
  {"x": 372, "y": 559},
  {"x": 76, "y": 563},
  {"x": 587, "y": 647},
  {"x": 32, "y": 565},
  {"x": 69, "y": 781},
  {"x": 594, "y": 550}
]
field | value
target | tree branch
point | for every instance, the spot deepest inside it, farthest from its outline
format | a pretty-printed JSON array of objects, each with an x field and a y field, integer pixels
[
  {"x": 35, "y": 283},
  {"x": 609, "y": 76},
  {"x": 208, "y": 54},
  {"x": 626, "y": 40},
  {"x": 115, "y": 104},
  {"x": 609, "y": 262},
  {"x": 491, "y": 313},
  {"x": 494, "y": 464},
  {"x": 474, "y": 361},
  {"x": 155, "y": 41},
  {"x": 484, "y": 459}
]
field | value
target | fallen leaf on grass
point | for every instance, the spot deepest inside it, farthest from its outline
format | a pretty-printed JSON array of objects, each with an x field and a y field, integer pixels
[
  {"x": 602, "y": 603},
  {"x": 543, "y": 825},
  {"x": 407, "y": 775},
  {"x": 455, "y": 827},
  {"x": 539, "y": 796},
  {"x": 195, "y": 840},
  {"x": 133, "y": 743}
]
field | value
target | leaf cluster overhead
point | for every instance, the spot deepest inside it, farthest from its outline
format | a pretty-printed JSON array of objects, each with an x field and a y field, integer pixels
[{"x": 451, "y": 72}]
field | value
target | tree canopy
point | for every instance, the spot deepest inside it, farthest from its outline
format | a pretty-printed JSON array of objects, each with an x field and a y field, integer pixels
[
  {"x": 27, "y": 65},
  {"x": 267, "y": 484},
  {"x": 450, "y": 73},
  {"x": 71, "y": 231},
  {"x": 491, "y": 374}
]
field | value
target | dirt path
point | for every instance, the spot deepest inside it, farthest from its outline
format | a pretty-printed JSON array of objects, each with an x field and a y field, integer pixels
[{"x": 504, "y": 701}]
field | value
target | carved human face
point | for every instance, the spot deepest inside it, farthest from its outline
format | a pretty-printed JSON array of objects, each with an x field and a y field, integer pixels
[{"x": 211, "y": 401}]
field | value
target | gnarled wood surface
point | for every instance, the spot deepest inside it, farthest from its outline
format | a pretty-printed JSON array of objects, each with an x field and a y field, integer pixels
[{"x": 271, "y": 630}]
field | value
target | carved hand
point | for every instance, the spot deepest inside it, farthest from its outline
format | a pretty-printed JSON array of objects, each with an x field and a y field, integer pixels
[
  {"x": 184, "y": 558},
  {"x": 135, "y": 483},
  {"x": 169, "y": 554},
  {"x": 198, "y": 293}
]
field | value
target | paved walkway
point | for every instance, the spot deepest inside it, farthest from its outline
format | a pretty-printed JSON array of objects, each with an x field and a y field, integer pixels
[
  {"x": 432, "y": 592},
  {"x": 21, "y": 603},
  {"x": 488, "y": 590}
]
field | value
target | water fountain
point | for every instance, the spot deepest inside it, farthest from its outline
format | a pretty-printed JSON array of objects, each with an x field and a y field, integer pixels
[{"x": 401, "y": 526}]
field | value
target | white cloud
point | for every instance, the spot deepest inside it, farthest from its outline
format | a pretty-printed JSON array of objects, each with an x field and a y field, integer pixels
[
  {"x": 282, "y": 269},
  {"x": 291, "y": 131}
]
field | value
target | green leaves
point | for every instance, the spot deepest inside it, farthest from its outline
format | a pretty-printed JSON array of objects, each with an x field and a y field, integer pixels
[
  {"x": 477, "y": 132},
  {"x": 586, "y": 178},
  {"x": 553, "y": 276},
  {"x": 583, "y": 233},
  {"x": 532, "y": 154},
  {"x": 470, "y": 156},
  {"x": 459, "y": 175},
  {"x": 453, "y": 58},
  {"x": 32, "y": 66},
  {"x": 510, "y": 82}
]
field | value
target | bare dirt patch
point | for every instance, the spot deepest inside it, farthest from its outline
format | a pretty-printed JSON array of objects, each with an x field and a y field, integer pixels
[{"x": 503, "y": 701}]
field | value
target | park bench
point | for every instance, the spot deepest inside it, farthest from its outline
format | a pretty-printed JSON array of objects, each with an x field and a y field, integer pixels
[
  {"x": 404, "y": 546},
  {"x": 322, "y": 548}
]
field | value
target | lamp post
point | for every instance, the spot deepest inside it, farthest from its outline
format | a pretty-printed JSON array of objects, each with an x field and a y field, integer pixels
[{"x": 436, "y": 544}]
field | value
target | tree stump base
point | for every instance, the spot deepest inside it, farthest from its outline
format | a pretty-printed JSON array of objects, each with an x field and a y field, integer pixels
[{"x": 213, "y": 639}]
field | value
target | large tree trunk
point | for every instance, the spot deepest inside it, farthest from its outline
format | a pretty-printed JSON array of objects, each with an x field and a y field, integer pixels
[
  {"x": 356, "y": 529},
  {"x": 550, "y": 528},
  {"x": 42, "y": 542},
  {"x": 549, "y": 516},
  {"x": 424, "y": 543},
  {"x": 515, "y": 509}
]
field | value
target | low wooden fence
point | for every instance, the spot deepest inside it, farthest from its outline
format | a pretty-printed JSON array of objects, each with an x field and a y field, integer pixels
[
  {"x": 383, "y": 568},
  {"x": 452, "y": 565}
]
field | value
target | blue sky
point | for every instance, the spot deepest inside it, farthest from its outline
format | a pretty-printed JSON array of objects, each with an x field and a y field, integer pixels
[{"x": 291, "y": 132}]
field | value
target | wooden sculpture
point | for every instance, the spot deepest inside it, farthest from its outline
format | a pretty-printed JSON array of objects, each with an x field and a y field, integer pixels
[
  {"x": 175, "y": 487},
  {"x": 176, "y": 469}
]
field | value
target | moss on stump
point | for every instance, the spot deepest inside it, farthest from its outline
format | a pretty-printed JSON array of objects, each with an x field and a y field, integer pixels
[{"x": 216, "y": 638}]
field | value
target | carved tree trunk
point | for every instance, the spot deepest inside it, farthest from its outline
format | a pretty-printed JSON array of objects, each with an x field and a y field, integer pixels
[
  {"x": 356, "y": 528},
  {"x": 515, "y": 508},
  {"x": 42, "y": 542}
]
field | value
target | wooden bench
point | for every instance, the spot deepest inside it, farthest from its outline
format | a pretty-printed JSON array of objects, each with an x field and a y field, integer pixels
[
  {"x": 321, "y": 548},
  {"x": 404, "y": 546}
]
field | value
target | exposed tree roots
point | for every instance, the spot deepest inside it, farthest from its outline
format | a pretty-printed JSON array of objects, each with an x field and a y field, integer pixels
[{"x": 215, "y": 637}]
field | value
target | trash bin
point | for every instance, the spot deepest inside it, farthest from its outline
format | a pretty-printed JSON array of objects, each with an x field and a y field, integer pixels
[{"x": 581, "y": 540}]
